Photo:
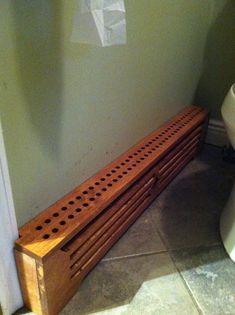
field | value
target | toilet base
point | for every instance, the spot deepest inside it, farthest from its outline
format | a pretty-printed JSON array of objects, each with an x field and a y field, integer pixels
[{"x": 227, "y": 225}]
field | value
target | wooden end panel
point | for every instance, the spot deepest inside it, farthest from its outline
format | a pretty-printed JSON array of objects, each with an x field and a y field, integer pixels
[
  {"x": 56, "y": 282},
  {"x": 28, "y": 277},
  {"x": 46, "y": 288}
]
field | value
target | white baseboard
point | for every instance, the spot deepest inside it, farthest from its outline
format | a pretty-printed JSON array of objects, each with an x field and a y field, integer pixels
[{"x": 216, "y": 133}]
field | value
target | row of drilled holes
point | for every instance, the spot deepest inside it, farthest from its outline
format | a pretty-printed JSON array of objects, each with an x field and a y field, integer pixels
[
  {"x": 55, "y": 230},
  {"x": 112, "y": 172}
]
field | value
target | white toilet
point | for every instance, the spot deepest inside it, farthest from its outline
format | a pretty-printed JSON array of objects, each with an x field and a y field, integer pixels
[{"x": 227, "y": 221}]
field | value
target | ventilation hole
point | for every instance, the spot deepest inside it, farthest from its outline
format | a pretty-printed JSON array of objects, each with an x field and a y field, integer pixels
[
  {"x": 56, "y": 214},
  {"x": 153, "y": 149},
  {"x": 62, "y": 222},
  {"x": 147, "y": 145},
  {"x": 110, "y": 185},
  {"x": 124, "y": 173},
  {"x": 85, "y": 192},
  {"x": 98, "y": 194},
  {"x": 78, "y": 197},
  {"x": 134, "y": 165},
  {"x": 71, "y": 216},
  {"x": 92, "y": 199},
  {"x": 156, "y": 146},
  {"x": 115, "y": 180},
  {"x": 91, "y": 187},
  {"x": 156, "y": 138},
  {"x": 78, "y": 210},
  {"x": 130, "y": 156},
  {"x": 64, "y": 208},
  {"x": 97, "y": 183},
  {"x": 150, "y": 142},
  {"x": 142, "y": 158},
  {"x": 139, "y": 151},
  {"x": 137, "y": 161},
  {"x": 71, "y": 202},
  {"x": 117, "y": 167},
  {"x": 102, "y": 179},
  {"x": 123, "y": 163},
  {"x": 120, "y": 176},
  {"x": 104, "y": 189},
  {"x": 108, "y": 175},
  {"x": 38, "y": 228},
  {"x": 146, "y": 155},
  {"x": 47, "y": 221},
  {"x": 135, "y": 154},
  {"x": 127, "y": 160},
  {"x": 129, "y": 168},
  {"x": 55, "y": 230},
  {"x": 46, "y": 236},
  {"x": 143, "y": 148},
  {"x": 113, "y": 171},
  {"x": 85, "y": 205}
]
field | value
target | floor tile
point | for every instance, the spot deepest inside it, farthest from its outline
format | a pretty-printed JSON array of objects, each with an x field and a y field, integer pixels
[
  {"x": 141, "y": 238},
  {"x": 210, "y": 276},
  {"x": 187, "y": 213},
  {"x": 139, "y": 285}
]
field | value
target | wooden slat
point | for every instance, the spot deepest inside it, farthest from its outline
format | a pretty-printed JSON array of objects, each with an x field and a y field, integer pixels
[
  {"x": 106, "y": 245},
  {"x": 109, "y": 225},
  {"x": 107, "y": 236},
  {"x": 174, "y": 161},
  {"x": 196, "y": 134},
  {"x": 89, "y": 230},
  {"x": 174, "y": 171}
]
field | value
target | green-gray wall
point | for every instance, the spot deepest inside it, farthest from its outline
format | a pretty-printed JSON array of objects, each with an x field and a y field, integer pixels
[
  {"x": 68, "y": 109},
  {"x": 218, "y": 72}
]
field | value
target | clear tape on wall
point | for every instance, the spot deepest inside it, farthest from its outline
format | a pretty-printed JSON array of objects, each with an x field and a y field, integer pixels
[{"x": 99, "y": 22}]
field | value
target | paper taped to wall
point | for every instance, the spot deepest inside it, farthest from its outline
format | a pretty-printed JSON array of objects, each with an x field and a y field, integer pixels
[{"x": 100, "y": 22}]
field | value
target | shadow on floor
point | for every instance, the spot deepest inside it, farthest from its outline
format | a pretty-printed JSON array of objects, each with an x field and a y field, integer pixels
[{"x": 187, "y": 213}]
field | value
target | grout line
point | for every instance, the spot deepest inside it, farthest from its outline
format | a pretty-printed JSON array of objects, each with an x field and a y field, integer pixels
[
  {"x": 178, "y": 271},
  {"x": 134, "y": 255},
  {"x": 186, "y": 286},
  {"x": 195, "y": 247}
]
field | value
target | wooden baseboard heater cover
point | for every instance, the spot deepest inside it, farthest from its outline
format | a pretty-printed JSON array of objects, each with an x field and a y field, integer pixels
[{"x": 61, "y": 245}]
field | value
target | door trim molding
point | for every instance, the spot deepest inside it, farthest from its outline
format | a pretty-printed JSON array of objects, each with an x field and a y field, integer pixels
[{"x": 10, "y": 294}]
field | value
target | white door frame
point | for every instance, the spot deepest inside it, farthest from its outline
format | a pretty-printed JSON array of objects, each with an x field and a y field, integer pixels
[{"x": 10, "y": 295}]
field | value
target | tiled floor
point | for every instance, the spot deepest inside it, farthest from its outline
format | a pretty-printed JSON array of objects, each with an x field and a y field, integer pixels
[{"x": 171, "y": 260}]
